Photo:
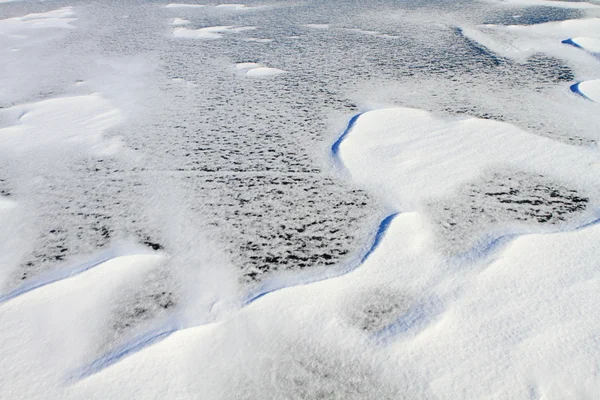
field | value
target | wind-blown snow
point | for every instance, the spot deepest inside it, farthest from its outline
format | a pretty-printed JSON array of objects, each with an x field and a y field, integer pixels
[
  {"x": 409, "y": 155},
  {"x": 184, "y": 218},
  {"x": 544, "y": 3},
  {"x": 61, "y": 123},
  {"x": 184, "y": 5},
  {"x": 257, "y": 70},
  {"x": 590, "y": 89},
  {"x": 17, "y": 27},
  {"x": 211, "y": 32},
  {"x": 181, "y": 21}
]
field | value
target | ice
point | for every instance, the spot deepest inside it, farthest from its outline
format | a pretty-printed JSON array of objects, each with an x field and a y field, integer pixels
[{"x": 414, "y": 218}]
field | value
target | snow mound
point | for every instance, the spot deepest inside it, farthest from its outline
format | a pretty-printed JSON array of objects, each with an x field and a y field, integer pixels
[
  {"x": 184, "y": 5},
  {"x": 544, "y": 3},
  {"x": 588, "y": 89},
  {"x": 61, "y": 124},
  {"x": 180, "y": 21},
  {"x": 257, "y": 70},
  {"x": 589, "y": 44},
  {"x": 209, "y": 33},
  {"x": 317, "y": 26},
  {"x": 409, "y": 155},
  {"x": 16, "y": 27},
  {"x": 520, "y": 41}
]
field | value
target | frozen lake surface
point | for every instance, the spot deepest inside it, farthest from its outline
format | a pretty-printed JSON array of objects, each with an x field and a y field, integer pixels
[{"x": 328, "y": 199}]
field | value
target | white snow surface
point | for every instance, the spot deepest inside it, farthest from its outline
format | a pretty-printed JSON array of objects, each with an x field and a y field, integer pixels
[
  {"x": 520, "y": 322},
  {"x": 408, "y": 156},
  {"x": 590, "y": 89},
  {"x": 588, "y": 43},
  {"x": 62, "y": 124},
  {"x": 520, "y": 42},
  {"x": 257, "y": 70},
  {"x": 317, "y": 26},
  {"x": 180, "y": 21},
  {"x": 184, "y": 5},
  {"x": 544, "y": 3},
  {"x": 209, "y": 33},
  {"x": 17, "y": 27}
]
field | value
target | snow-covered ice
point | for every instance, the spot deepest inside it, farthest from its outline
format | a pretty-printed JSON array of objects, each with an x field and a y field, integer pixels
[{"x": 387, "y": 219}]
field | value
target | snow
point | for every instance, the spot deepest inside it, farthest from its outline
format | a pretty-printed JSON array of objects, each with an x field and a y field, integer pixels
[
  {"x": 248, "y": 65},
  {"x": 587, "y": 43},
  {"x": 68, "y": 312},
  {"x": 257, "y": 70},
  {"x": 317, "y": 26},
  {"x": 61, "y": 124},
  {"x": 408, "y": 155},
  {"x": 184, "y": 5},
  {"x": 264, "y": 71},
  {"x": 520, "y": 42},
  {"x": 473, "y": 269},
  {"x": 180, "y": 21},
  {"x": 17, "y": 27},
  {"x": 209, "y": 33},
  {"x": 544, "y": 3},
  {"x": 589, "y": 89}
]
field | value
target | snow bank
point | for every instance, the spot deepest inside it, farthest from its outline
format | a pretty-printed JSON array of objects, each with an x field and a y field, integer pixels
[{"x": 257, "y": 70}]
